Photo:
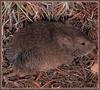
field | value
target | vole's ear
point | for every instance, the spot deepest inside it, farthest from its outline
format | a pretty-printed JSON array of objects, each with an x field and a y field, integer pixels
[{"x": 65, "y": 41}]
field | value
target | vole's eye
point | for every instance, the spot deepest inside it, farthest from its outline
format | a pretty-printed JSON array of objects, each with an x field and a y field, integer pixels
[{"x": 82, "y": 43}]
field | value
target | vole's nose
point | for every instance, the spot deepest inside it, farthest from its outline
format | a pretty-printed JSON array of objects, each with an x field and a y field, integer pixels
[
  {"x": 94, "y": 46},
  {"x": 95, "y": 50}
]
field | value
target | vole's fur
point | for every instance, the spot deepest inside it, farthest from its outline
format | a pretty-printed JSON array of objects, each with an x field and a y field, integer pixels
[{"x": 45, "y": 45}]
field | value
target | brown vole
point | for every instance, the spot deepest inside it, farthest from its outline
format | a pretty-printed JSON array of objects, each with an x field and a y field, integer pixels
[{"x": 45, "y": 45}]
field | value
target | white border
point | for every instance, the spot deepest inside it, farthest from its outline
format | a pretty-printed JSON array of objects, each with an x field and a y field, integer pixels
[{"x": 98, "y": 46}]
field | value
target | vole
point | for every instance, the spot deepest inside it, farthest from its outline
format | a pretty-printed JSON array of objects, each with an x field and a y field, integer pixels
[{"x": 41, "y": 46}]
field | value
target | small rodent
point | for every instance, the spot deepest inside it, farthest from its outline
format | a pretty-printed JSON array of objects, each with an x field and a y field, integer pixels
[{"x": 41, "y": 46}]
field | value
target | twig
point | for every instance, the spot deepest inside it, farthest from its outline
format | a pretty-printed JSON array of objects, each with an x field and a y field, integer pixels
[{"x": 3, "y": 26}]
